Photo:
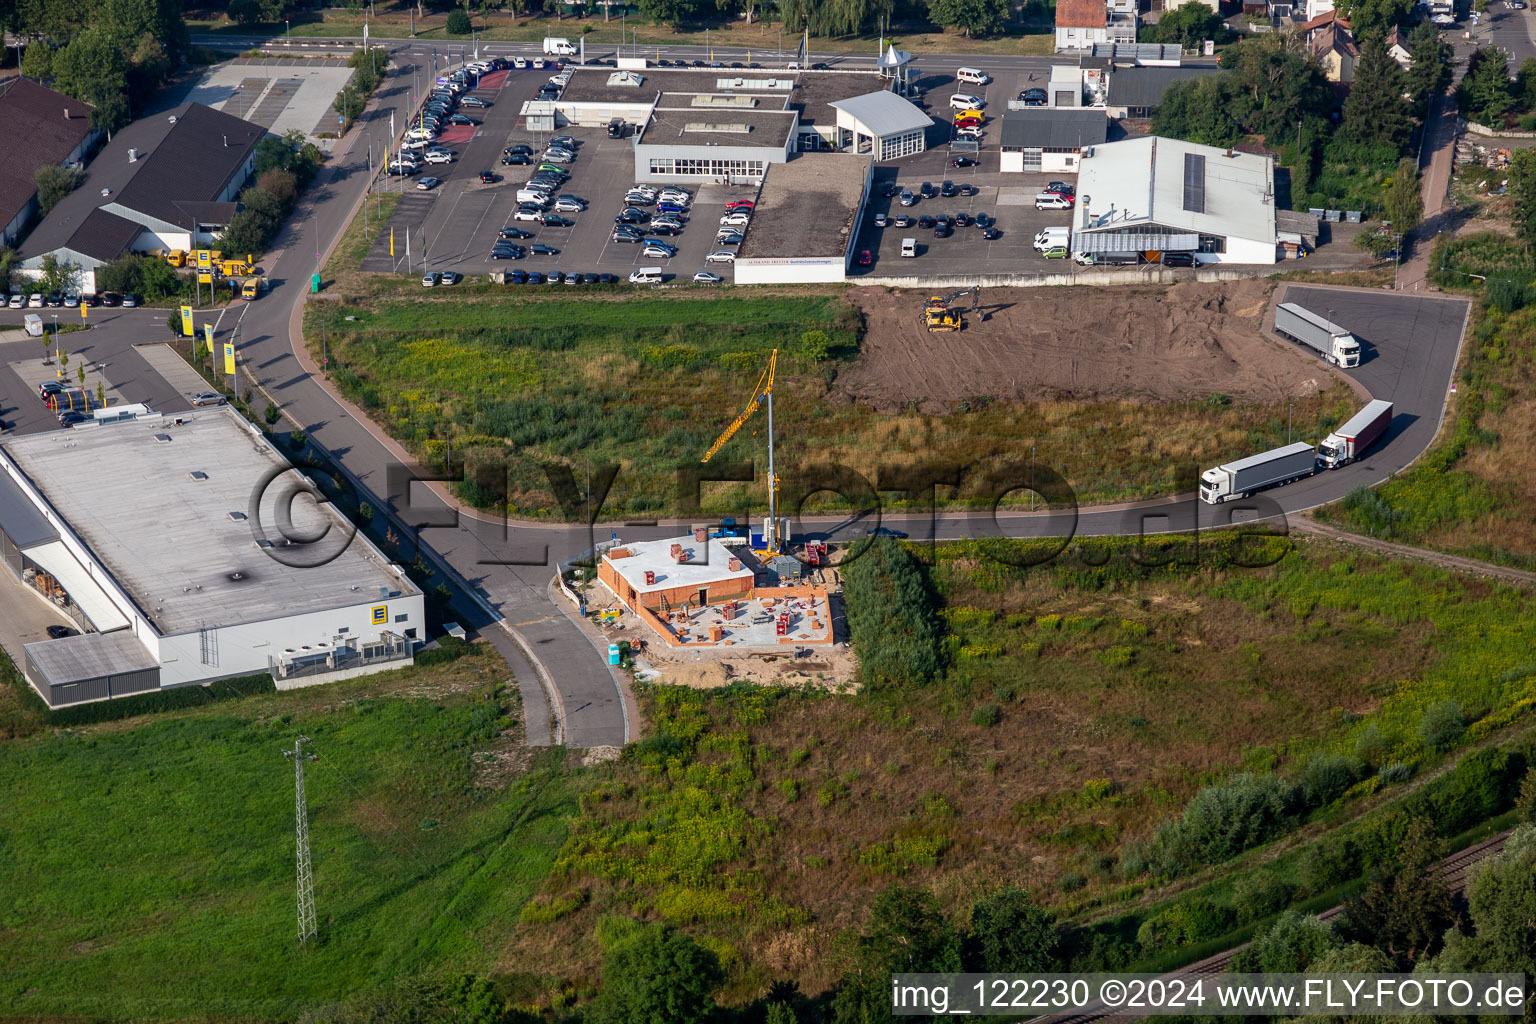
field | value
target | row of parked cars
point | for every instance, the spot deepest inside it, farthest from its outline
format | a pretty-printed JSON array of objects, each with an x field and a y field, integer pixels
[
  {"x": 57, "y": 300},
  {"x": 438, "y": 113},
  {"x": 539, "y": 200}
]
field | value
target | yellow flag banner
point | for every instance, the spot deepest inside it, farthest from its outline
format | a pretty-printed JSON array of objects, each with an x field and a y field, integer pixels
[{"x": 229, "y": 358}]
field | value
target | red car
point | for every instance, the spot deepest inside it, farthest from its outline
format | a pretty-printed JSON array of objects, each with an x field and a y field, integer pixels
[
  {"x": 866, "y": 258},
  {"x": 739, "y": 204},
  {"x": 968, "y": 122}
]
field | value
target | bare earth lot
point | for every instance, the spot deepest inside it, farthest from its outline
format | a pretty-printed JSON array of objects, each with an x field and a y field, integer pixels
[{"x": 1184, "y": 342}]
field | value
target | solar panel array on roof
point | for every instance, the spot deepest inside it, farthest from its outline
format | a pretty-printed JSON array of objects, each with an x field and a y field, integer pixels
[{"x": 1194, "y": 182}]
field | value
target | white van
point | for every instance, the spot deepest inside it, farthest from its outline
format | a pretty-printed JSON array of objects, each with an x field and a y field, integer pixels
[
  {"x": 532, "y": 195},
  {"x": 965, "y": 101},
  {"x": 970, "y": 76},
  {"x": 646, "y": 275},
  {"x": 558, "y": 47},
  {"x": 1050, "y": 237},
  {"x": 909, "y": 247}
]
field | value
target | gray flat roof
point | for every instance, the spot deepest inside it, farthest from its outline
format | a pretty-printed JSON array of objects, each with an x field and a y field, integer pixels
[
  {"x": 716, "y": 103},
  {"x": 770, "y": 129},
  {"x": 1059, "y": 128},
  {"x": 1144, "y": 87},
  {"x": 712, "y": 565},
  {"x": 884, "y": 113},
  {"x": 811, "y": 96},
  {"x": 127, "y": 489},
  {"x": 806, "y": 206},
  {"x": 20, "y": 519},
  {"x": 89, "y": 656}
]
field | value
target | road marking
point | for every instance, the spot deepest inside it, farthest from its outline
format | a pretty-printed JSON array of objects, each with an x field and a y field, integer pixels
[{"x": 532, "y": 622}]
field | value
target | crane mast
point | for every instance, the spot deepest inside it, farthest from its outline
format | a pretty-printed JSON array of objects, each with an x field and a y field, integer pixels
[{"x": 762, "y": 391}]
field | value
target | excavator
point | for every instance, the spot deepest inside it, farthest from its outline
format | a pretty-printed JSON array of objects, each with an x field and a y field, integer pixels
[{"x": 939, "y": 316}]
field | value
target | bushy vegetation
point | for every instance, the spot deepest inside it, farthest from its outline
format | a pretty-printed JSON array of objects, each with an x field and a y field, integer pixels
[
  {"x": 283, "y": 167},
  {"x": 369, "y": 66},
  {"x": 147, "y": 276},
  {"x": 53, "y": 184},
  {"x": 891, "y": 618}
]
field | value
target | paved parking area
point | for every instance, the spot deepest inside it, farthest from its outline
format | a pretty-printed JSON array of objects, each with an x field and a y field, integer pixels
[
  {"x": 453, "y": 226},
  {"x": 280, "y": 95}
]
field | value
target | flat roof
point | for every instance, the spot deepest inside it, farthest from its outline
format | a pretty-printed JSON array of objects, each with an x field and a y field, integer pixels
[
  {"x": 712, "y": 565},
  {"x": 715, "y": 102},
  {"x": 884, "y": 113},
  {"x": 167, "y": 538},
  {"x": 811, "y": 94},
  {"x": 1055, "y": 128},
  {"x": 1145, "y": 86},
  {"x": 769, "y": 129},
  {"x": 89, "y": 656},
  {"x": 1176, "y": 184},
  {"x": 21, "y": 520},
  {"x": 807, "y": 206}
]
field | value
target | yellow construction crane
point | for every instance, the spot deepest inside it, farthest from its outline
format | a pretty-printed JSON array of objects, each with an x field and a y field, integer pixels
[
  {"x": 762, "y": 390},
  {"x": 938, "y": 316}
]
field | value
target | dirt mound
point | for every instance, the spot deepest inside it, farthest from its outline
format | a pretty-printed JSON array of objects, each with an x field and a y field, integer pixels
[{"x": 1187, "y": 341}]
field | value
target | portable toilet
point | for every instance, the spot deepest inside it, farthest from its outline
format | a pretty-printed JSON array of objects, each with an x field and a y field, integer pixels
[{"x": 613, "y": 654}]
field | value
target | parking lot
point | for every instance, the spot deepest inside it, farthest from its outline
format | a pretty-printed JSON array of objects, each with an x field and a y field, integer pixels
[{"x": 453, "y": 226}]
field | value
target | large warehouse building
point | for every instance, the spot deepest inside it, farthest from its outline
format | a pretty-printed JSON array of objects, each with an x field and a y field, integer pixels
[
  {"x": 187, "y": 546},
  {"x": 804, "y": 225},
  {"x": 1155, "y": 194}
]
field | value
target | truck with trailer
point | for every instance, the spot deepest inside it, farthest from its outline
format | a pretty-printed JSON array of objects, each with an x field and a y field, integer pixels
[
  {"x": 1328, "y": 339},
  {"x": 1267, "y": 469},
  {"x": 1349, "y": 442}
]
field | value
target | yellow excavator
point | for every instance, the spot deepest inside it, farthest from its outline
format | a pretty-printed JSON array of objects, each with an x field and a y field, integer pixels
[{"x": 938, "y": 315}]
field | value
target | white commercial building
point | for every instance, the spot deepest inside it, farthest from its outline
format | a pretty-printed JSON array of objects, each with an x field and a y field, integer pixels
[
  {"x": 882, "y": 125},
  {"x": 195, "y": 553},
  {"x": 1049, "y": 140},
  {"x": 1156, "y": 194},
  {"x": 804, "y": 225}
]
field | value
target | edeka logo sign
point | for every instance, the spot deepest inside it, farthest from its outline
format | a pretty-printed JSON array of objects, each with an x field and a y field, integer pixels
[{"x": 380, "y": 614}]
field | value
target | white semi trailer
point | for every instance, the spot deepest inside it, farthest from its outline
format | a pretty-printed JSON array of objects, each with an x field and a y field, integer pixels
[
  {"x": 1241, "y": 478},
  {"x": 1328, "y": 339}
]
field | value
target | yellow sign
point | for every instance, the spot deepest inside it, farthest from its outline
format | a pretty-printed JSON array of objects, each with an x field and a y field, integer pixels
[
  {"x": 380, "y": 614},
  {"x": 229, "y": 358},
  {"x": 82, "y": 309},
  {"x": 187, "y": 329},
  {"x": 205, "y": 278},
  {"x": 204, "y": 258},
  {"x": 208, "y": 335}
]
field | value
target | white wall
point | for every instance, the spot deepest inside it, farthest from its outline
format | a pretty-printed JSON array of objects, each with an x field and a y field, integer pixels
[
  {"x": 1079, "y": 38},
  {"x": 1058, "y": 163},
  {"x": 791, "y": 270},
  {"x": 1243, "y": 250},
  {"x": 244, "y": 649},
  {"x": 1012, "y": 161}
]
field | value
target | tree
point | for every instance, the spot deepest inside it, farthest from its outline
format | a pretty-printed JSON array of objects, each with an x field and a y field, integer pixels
[
  {"x": 56, "y": 275},
  {"x": 1196, "y": 110},
  {"x": 458, "y": 23},
  {"x": 92, "y": 68},
  {"x": 1404, "y": 202},
  {"x": 143, "y": 275},
  {"x": 1273, "y": 87},
  {"x": 831, "y": 17},
  {"x": 244, "y": 12},
  {"x": 1441, "y": 724},
  {"x": 1522, "y": 186},
  {"x": 1289, "y": 946},
  {"x": 1429, "y": 68},
  {"x": 1503, "y": 903},
  {"x": 1525, "y": 801},
  {"x": 1010, "y": 934},
  {"x": 660, "y": 974},
  {"x": 906, "y": 934},
  {"x": 670, "y": 12},
  {"x": 1375, "y": 112},
  {"x": 1484, "y": 94},
  {"x": 1189, "y": 25},
  {"x": 892, "y": 616},
  {"x": 973, "y": 17},
  {"x": 37, "y": 61},
  {"x": 1373, "y": 18},
  {"x": 53, "y": 184},
  {"x": 1405, "y": 913}
]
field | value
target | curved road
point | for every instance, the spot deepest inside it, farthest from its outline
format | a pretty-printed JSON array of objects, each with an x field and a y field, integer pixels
[{"x": 1411, "y": 348}]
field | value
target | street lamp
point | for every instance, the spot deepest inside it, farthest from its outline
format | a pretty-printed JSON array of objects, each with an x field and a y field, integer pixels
[{"x": 288, "y": 30}]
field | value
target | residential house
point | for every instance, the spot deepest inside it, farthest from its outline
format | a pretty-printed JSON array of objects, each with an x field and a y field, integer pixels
[
  {"x": 1080, "y": 24},
  {"x": 1336, "y": 51}
]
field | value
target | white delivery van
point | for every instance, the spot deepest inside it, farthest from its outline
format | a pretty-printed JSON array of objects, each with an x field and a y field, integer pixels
[
  {"x": 558, "y": 47},
  {"x": 909, "y": 247},
  {"x": 646, "y": 275},
  {"x": 970, "y": 76},
  {"x": 532, "y": 195},
  {"x": 965, "y": 101},
  {"x": 1052, "y": 236}
]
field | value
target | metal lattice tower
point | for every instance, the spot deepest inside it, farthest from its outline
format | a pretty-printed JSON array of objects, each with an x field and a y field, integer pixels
[{"x": 306, "y": 881}]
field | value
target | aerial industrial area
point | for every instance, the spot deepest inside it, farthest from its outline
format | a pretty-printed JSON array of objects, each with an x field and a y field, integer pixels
[{"x": 746, "y": 514}]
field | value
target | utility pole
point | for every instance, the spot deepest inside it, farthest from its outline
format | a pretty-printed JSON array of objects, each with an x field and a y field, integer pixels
[
  {"x": 306, "y": 881},
  {"x": 1289, "y": 415}
]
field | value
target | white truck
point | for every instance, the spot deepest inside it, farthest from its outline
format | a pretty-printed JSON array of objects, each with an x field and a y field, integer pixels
[
  {"x": 1332, "y": 342},
  {"x": 1267, "y": 469},
  {"x": 554, "y": 47},
  {"x": 1349, "y": 442}
]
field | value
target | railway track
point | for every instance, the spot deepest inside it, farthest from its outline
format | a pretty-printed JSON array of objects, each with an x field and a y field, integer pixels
[{"x": 1456, "y": 869}]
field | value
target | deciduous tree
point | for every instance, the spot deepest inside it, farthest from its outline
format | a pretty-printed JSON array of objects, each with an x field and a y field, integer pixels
[
  {"x": 660, "y": 975},
  {"x": 973, "y": 17},
  {"x": 1189, "y": 25},
  {"x": 53, "y": 184},
  {"x": 907, "y": 933},
  {"x": 1010, "y": 934},
  {"x": 1404, "y": 201},
  {"x": 1197, "y": 111},
  {"x": 1429, "y": 68},
  {"x": 1405, "y": 912},
  {"x": 1368, "y": 18}
]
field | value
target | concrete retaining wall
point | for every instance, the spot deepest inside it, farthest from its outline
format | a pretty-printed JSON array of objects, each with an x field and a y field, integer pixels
[
  {"x": 1083, "y": 277},
  {"x": 1477, "y": 129}
]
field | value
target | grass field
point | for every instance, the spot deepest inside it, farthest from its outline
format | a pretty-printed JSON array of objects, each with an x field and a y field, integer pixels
[
  {"x": 1471, "y": 492},
  {"x": 650, "y": 380},
  {"x": 148, "y": 864},
  {"x": 765, "y": 821}
]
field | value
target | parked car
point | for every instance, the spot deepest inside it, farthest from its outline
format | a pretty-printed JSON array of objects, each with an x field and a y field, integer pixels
[
  {"x": 928, "y": 190},
  {"x": 866, "y": 258},
  {"x": 926, "y": 221},
  {"x": 962, "y": 161},
  {"x": 908, "y": 198},
  {"x": 203, "y": 398},
  {"x": 620, "y": 235},
  {"x": 540, "y": 249},
  {"x": 962, "y": 220},
  {"x": 452, "y": 277},
  {"x": 947, "y": 189},
  {"x": 1056, "y": 252},
  {"x": 966, "y": 101},
  {"x": 60, "y": 632},
  {"x": 1034, "y": 97},
  {"x": 431, "y": 279},
  {"x": 942, "y": 231},
  {"x": 1052, "y": 201},
  {"x": 428, "y": 183},
  {"x": 69, "y": 417},
  {"x": 902, "y": 221},
  {"x": 578, "y": 200},
  {"x": 705, "y": 277},
  {"x": 35, "y": 301},
  {"x": 729, "y": 238},
  {"x": 514, "y": 233},
  {"x": 991, "y": 233},
  {"x": 475, "y": 101},
  {"x": 741, "y": 204},
  {"x": 508, "y": 252},
  {"x": 520, "y": 147},
  {"x": 969, "y": 190},
  {"x": 438, "y": 157},
  {"x": 661, "y": 250},
  {"x": 630, "y": 215},
  {"x": 739, "y": 219},
  {"x": 554, "y": 220},
  {"x": 985, "y": 220},
  {"x": 1066, "y": 188},
  {"x": 130, "y": 300},
  {"x": 721, "y": 256},
  {"x": 1180, "y": 259}
]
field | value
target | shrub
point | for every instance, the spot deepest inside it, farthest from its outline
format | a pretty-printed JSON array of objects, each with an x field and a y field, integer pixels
[
  {"x": 1003, "y": 694},
  {"x": 1325, "y": 776},
  {"x": 1323, "y": 865},
  {"x": 790, "y": 788},
  {"x": 1260, "y": 894},
  {"x": 1394, "y": 772},
  {"x": 270, "y": 414},
  {"x": 1071, "y": 882},
  {"x": 1441, "y": 724},
  {"x": 987, "y": 715},
  {"x": 892, "y": 616},
  {"x": 448, "y": 649},
  {"x": 544, "y": 909},
  {"x": 1190, "y": 920},
  {"x": 1246, "y": 810},
  {"x": 458, "y": 23}
]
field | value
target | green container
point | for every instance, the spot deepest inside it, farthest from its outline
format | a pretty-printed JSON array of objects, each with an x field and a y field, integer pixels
[{"x": 314, "y": 283}]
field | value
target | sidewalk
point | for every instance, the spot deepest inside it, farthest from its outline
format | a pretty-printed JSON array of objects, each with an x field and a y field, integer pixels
[{"x": 1439, "y": 144}]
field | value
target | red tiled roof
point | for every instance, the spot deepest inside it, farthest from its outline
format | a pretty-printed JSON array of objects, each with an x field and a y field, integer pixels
[
  {"x": 1081, "y": 14},
  {"x": 51, "y": 124},
  {"x": 1335, "y": 38},
  {"x": 1324, "y": 20}
]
